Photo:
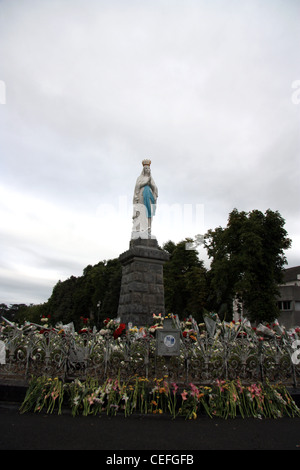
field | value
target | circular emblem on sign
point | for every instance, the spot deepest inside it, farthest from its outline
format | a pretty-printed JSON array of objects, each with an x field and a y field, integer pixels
[{"x": 169, "y": 341}]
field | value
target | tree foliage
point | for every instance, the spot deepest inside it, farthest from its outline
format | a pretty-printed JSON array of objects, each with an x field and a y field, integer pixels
[
  {"x": 184, "y": 281},
  {"x": 247, "y": 262},
  {"x": 92, "y": 296}
]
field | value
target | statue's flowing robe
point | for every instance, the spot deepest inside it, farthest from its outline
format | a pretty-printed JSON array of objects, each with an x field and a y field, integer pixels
[{"x": 146, "y": 193}]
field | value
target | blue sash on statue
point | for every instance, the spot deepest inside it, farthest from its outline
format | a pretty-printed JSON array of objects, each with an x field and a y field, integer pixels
[{"x": 148, "y": 200}]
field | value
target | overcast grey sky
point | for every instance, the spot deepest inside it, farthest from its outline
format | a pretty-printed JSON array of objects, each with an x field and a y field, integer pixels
[{"x": 89, "y": 88}]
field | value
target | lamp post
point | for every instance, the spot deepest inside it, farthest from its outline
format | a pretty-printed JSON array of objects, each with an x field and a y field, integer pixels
[{"x": 98, "y": 312}]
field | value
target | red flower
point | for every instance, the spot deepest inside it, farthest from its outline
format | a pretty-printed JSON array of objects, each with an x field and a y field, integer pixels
[{"x": 119, "y": 330}]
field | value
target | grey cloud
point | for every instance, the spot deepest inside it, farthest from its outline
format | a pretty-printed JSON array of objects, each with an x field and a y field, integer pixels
[{"x": 203, "y": 88}]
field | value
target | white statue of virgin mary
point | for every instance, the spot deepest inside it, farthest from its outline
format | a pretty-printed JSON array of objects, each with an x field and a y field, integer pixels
[{"x": 144, "y": 202}]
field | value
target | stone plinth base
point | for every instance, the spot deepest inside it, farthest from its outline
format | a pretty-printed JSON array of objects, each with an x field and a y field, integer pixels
[{"x": 142, "y": 286}]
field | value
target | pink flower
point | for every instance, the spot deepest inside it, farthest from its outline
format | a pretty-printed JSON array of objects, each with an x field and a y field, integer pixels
[
  {"x": 184, "y": 395},
  {"x": 255, "y": 391},
  {"x": 195, "y": 390},
  {"x": 91, "y": 399},
  {"x": 116, "y": 385},
  {"x": 175, "y": 387},
  {"x": 220, "y": 384},
  {"x": 239, "y": 385}
]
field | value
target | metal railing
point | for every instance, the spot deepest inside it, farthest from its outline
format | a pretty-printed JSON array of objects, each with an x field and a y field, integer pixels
[{"x": 226, "y": 352}]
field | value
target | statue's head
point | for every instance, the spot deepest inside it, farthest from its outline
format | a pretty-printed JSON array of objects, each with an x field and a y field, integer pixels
[{"x": 146, "y": 166}]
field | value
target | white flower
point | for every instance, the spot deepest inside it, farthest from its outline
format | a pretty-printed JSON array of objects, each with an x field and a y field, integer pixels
[{"x": 76, "y": 400}]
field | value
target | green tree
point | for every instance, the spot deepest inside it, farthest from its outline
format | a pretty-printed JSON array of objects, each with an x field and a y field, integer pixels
[
  {"x": 62, "y": 306},
  {"x": 247, "y": 262},
  {"x": 112, "y": 286},
  {"x": 31, "y": 313},
  {"x": 184, "y": 281},
  {"x": 81, "y": 296}
]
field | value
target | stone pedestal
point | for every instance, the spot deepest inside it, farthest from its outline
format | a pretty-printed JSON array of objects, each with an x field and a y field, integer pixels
[{"x": 142, "y": 286}]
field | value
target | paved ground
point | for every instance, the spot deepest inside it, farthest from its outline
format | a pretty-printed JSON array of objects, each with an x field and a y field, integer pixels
[
  {"x": 148, "y": 433},
  {"x": 136, "y": 433}
]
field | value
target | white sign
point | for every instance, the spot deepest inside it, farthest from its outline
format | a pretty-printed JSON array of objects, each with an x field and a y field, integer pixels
[{"x": 169, "y": 341}]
